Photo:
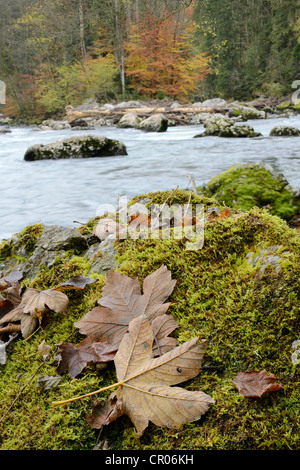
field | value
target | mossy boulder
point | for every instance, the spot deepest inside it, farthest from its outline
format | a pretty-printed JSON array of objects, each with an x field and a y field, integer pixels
[
  {"x": 37, "y": 246},
  {"x": 240, "y": 292},
  {"x": 250, "y": 185},
  {"x": 246, "y": 111},
  {"x": 225, "y": 127},
  {"x": 284, "y": 131},
  {"x": 284, "y": 105},
  {"x": 296, "y": 106},
  {"x": 86, "y": 146}
]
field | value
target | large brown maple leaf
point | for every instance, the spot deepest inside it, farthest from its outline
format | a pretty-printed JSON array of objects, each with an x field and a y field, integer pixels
[
  {"x": 122, "y": 301},
  {"x": 145, "y": 383}
]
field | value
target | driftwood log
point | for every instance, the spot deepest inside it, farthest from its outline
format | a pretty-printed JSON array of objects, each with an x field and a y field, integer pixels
[{"x": 74, "y": 115}]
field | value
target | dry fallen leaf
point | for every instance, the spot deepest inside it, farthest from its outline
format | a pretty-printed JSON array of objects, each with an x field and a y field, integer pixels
[
  {"x": 142, "y": 221},
  {"x": 122, "y": 301},
  {"x": 104, "y": 413},
  {"x": 162, "y": 327},
  {"x": 34, "y": 306},
  {"x": 76, "y": 282},
  {"x": 10, "y": 298},
  {"x": 225, "y": 213},
  {"x": 48, "y": 382},
  {"x": 10, "y": 280},
  {"x": 253, "y": 384},
  {"x": 145, "y": 383},
  {"x": 35, "y": 301},
  {"x": 74, "y": 358},
  {"x": 44, "y": 349},
  {"x": 106, "y": 227},
  {"x": 122, "y": 294}
]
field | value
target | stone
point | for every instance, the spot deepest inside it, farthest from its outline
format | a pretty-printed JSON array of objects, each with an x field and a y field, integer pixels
[
  {"x": 225, "y": 127},
  {"x": 60, "y": 126},
  {"x": 79, "y": 123},
  {"x": 4, "y": 120},
  {"x": 246, "y": 186},
  {"x": 89, "y": 104},
  {"x": 86, "y": 146},
  {"x": 196, "y": 119},
  {"x": 246, "y": 111},
  {"x": 107, "y": 106},
  {"x": 129, "y": 120},
  {"x": 264, "y": 257},
  {"x": 102, "y": 257},
  {"x": 155, "y": 123},
  {"x": 54, "y": 242},
  {"x": 284, "y": 131},
  {"x": 56, "y": 125},
  {"x": 98, "y": 122},
  {"x": 214, "y": 103},
  {"x": 128, "y": 104}
]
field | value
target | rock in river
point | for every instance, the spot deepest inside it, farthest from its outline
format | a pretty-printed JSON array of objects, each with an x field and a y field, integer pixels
[
  {"x": 284, "y": 131},
  {"x": 155, "y": 123},
  {"x": 86, "y": 146}
]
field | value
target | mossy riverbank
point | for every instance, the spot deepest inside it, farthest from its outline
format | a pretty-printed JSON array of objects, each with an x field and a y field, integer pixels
[{"x": 240, "y": 292}]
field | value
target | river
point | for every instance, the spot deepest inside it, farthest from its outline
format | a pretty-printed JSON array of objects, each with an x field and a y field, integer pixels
[{"x": 64, "y": 191}]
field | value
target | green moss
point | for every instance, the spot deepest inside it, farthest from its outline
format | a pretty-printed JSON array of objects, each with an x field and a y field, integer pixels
[
  {"x": 174, "y": 197},
  {"x": 6, "y": 249},
  {"x": 284, "y": 105},
  {"x": 246, "y": 186},
  {"x": 29, "y": 236},
  {"x": 34, "y": 423},
  {"x": 26, "y": 242},
  {"x": 250, "y": 319},
  {"x": 88, "y": 227},
  {"x": 296, "y": 106}
]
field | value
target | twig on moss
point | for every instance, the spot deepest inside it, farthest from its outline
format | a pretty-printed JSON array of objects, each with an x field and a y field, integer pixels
[
  {"x": 21, "y": 391},
  {"x": 163, "y": 206}
]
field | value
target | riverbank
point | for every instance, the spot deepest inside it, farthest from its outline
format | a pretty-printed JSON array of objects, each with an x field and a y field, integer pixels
[{"x": 282, "y": 107}]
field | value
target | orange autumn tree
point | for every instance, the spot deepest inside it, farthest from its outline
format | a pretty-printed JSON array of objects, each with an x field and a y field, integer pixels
[{"x": 161, "y": 58}]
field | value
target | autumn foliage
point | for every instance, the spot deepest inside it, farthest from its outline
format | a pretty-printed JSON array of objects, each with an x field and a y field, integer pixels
[{"x": 161, "y": 58}]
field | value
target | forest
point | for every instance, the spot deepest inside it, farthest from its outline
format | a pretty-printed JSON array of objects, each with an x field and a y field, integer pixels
[{"x": 59, "y": 52}]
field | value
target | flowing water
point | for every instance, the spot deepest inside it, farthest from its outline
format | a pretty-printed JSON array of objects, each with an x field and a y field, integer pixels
[{"x": 64, "y": 191}]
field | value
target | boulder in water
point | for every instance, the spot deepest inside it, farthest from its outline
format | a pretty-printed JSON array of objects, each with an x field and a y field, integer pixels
[
  {"x": 129, "y": 120},
  {"x": 155, "y": 123},
  {"x": 284, "y": 131},
  {"x": 225, "y": 127},
  {"x": 86, "y": 146}
]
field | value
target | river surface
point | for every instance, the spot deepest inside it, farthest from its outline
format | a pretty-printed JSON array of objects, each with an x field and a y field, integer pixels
[{"x": 64, "y": 191}]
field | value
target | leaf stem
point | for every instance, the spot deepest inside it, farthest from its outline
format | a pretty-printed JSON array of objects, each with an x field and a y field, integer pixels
[{"x": 57, "y": 403}]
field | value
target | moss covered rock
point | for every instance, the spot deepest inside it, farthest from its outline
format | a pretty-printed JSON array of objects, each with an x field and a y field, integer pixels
[
  {"x": 246, "y": 186},
  {"x": 246, "y": 111},
  {"x": 240, "y": 292},
  {"x": 284, "y": 105},
  {"x": 284, "y": 131},
  {"x": 225, "y": 127},
  {"x": 86, "y": 146}
]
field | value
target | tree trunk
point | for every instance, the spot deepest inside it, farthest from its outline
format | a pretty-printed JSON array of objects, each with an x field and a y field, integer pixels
[
  {"x": 120, "y": 43},
  {"x": 81, "y": 26}
]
